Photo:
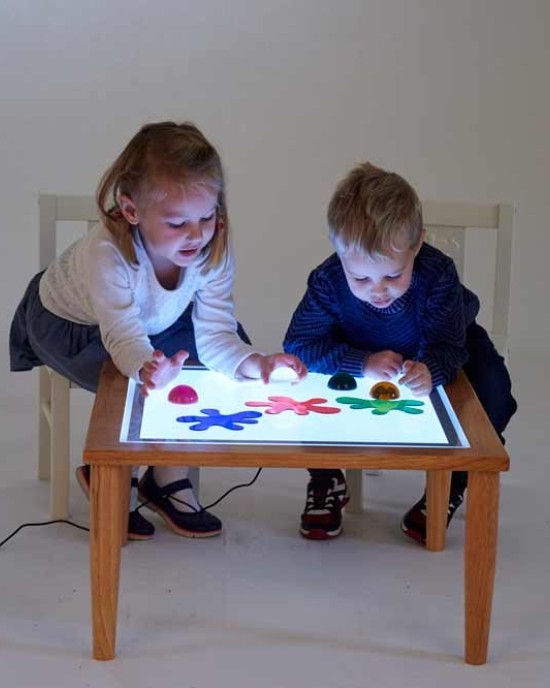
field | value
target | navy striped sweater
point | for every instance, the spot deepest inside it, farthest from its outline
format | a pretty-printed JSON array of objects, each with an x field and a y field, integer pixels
[{"x": 332, "y": 330}]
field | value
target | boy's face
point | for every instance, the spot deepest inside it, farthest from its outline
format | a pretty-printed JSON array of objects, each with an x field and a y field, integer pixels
[{"x": 379, "y": 281}]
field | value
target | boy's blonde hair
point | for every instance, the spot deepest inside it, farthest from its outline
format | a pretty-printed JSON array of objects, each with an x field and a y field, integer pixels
[
  {"x": 374, "y": 212},
  {"x": 162, "y": 155}
]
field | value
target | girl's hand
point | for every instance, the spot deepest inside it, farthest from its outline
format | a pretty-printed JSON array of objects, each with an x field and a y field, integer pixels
[
  {"x": 384, "y": 364},
  {"x": 258, "y": 366},
  {"x": 417, "y": 378},
  {"x": 161, "y": 370}
]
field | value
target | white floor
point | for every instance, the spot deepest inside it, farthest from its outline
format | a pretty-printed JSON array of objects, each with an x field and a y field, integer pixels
[{"x": 260, "y": 607}]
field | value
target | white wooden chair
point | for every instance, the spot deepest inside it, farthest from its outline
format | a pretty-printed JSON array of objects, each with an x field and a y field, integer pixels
[
  {"x": 53, "y": 398},
  {"x": 478, "y": 237},
  {"x": 54, "y": 389}
]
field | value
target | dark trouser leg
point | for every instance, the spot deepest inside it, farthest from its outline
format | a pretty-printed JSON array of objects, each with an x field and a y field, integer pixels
[{"x": 490, "y": 379}]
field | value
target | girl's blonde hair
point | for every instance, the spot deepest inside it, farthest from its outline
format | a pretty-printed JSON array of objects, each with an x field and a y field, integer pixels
[
  {"x": 374, "y": 212},
  {"x": 159, "y": 156}
]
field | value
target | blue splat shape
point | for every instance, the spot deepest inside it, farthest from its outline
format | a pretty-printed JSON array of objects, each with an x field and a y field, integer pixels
[{"x": 212, "y": 417}]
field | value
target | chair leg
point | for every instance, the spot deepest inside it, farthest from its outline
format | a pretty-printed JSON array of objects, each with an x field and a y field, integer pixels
[
  {"x": 60, "y": 447},
  {"x": 44, "y": 421},
  {"x": 354, "y": 479},
  {"x": 194, "y": 477}
]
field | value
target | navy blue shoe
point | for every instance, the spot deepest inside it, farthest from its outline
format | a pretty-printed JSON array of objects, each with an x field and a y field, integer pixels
[
  {"x": 139, "y": 528},
  {"x": 198, "y": 524}
]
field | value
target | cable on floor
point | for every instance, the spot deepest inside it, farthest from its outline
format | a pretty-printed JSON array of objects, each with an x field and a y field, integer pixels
[{"x": 143, "y": 504}]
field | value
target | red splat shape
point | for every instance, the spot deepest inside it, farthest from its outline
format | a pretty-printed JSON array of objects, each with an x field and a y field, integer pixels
[
  {"x": 183, "y": 394},
  {"x": 300, "y": 408}
]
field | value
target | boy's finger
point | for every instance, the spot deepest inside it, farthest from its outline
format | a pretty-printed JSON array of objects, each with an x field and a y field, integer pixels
[{"x": 408, "y": 378}]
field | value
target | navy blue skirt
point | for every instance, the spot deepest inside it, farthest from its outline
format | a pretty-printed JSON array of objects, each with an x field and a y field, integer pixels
[{"x": 38, "y": 337}]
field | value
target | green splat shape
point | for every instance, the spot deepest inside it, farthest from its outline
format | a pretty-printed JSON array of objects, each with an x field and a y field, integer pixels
[{"x": 382, "y": 406}]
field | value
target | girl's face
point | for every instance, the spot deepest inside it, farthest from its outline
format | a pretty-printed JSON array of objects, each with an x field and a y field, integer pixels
[
  {"x": 175, "y": 227},
  {"x": 379, "y": 281}
]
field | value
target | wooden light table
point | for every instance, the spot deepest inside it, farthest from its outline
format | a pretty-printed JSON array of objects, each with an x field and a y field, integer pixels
[{"x": 110, "y": 482}]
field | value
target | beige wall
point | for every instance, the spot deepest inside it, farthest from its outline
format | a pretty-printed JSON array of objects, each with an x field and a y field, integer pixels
[{"x": 453, "y": 95}]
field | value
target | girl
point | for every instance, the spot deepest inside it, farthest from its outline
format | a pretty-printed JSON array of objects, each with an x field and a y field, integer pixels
[{"x": 149, "y": 286}]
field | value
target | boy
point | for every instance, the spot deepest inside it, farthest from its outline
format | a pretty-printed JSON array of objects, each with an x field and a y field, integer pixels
[{"x": 386, "y": 304}]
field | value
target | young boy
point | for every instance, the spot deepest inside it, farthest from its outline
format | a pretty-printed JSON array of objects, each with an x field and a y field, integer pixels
[{"x": 386, "y": 304}]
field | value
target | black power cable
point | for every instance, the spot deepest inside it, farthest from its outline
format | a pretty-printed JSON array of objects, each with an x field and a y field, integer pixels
[{"x": 76, "y": 525}]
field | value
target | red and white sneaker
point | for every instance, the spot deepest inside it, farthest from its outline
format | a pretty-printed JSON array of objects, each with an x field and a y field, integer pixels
[
  {"x": 413, "y": 523},
  {"x": 322, "y": 515}
]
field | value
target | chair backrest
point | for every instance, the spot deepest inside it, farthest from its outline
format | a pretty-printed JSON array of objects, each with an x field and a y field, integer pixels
[
  {"x": 79, "y": 211},
  {"x": 455, "y": 228},
  {"x": 479, "y": 238}
]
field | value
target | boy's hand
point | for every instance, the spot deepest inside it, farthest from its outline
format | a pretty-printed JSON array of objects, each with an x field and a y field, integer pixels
[
  {"x": 417, "y": 378},
  {"x": 259, "y": 366},
  {"x": 384, "y": 364},
  {"x": 158, "y": 372}
]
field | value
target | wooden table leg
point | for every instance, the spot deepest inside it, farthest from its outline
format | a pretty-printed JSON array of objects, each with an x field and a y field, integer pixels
[
  {"x": 480, "y": 560},
  {"x": 108, "y": 525},
  {"x": 437, "y": 492}
]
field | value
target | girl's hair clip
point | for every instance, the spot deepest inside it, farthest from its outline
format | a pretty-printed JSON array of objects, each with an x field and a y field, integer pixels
[{"x": 116, "y": 213}]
